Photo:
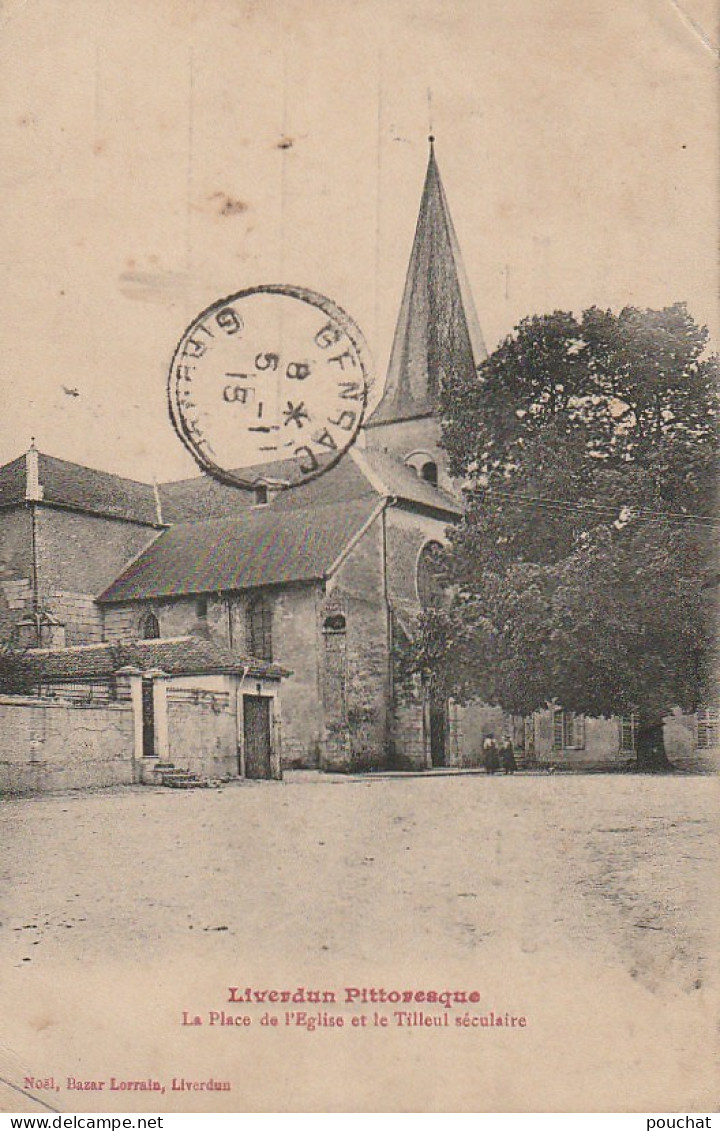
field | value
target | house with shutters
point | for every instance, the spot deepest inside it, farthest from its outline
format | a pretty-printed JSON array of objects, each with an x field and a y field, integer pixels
[{"x": 323, "y": 579}]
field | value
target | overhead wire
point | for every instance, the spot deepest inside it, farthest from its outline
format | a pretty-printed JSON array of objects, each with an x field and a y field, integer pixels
[{"x": 630, "y": 513}]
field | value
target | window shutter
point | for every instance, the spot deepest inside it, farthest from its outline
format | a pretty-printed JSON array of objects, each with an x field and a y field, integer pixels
[
  {"x": 708, "y": 728},
  {"x": 579, "y": 732},
  {"x": 558, "y": 729}
]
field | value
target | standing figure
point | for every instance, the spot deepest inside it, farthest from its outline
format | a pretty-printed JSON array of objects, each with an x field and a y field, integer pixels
[
  {"x": 490, "y": 754},
  {"x": 507, "y": 755}
]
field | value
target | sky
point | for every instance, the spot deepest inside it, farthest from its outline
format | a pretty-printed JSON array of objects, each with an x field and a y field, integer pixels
[{"x": 157, "y": 155}]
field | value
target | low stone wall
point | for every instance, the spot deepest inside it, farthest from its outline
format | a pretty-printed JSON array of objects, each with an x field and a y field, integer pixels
[
  {"x": 48, "y": 745},
  {"x": 202, "y": 735}
]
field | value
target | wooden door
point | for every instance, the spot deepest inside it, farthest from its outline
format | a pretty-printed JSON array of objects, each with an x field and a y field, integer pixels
[
  {"x": 148, "y": 719},
  {"x": 256, "y": 730}
]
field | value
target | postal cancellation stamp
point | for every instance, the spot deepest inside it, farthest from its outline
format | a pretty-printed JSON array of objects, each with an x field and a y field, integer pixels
[{"x": 272, "y": 373}]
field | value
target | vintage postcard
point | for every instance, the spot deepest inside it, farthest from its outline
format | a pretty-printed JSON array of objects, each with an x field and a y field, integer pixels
[{"x": 358, "y": 572}]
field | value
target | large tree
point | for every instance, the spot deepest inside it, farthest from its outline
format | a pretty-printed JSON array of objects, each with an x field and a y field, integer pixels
[{"x": 582, "y": 570}]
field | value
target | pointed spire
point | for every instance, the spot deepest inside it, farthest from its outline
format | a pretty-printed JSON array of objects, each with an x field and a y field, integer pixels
[{"x": 437, "y": 331}]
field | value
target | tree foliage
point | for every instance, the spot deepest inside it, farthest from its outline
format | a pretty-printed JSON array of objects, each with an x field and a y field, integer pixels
[{"x": 582, "y": 570}]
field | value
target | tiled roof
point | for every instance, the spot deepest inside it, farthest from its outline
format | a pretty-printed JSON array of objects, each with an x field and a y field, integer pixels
[
  {"x": 182, "y": 655},
  {"x": 263, "y": 546}
]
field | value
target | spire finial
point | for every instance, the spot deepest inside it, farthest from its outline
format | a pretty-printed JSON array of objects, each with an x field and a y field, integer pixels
[{"x": 431, "y": 133}]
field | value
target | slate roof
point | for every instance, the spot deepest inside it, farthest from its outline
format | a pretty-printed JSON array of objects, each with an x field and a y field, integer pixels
[
  {"x": 86, "y": 489},
  {"x": 182, "y": 655},
  {"x": 204, "y": 497},
  {"x": 437, "y": 331},
  {"x": 201, "y": 497},
  {"x": 66, "y": 484},
  {"x": 404, "y": 483},
  {"x": 70, "y": 484},
  {"x": 245, "y": 551},
  {"x": 12, "y": 482}
]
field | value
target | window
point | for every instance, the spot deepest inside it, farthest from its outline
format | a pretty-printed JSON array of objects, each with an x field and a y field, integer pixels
[
  {"x": 259, "y": 623},
  {"x": 201, "y": 607},
  {"x": 628, "y": 733},
  {"x": 568, "y": 730},
  {"x": 424, "y": 466},
  {"x": 708, "y": 727},
  {"x": 335, "y": 622},
  {"x": 429, "y": 473},
  {"x": 150, "y": 627},
  {"x": 428, "y": 579},
  {"x": 261, "y": 495}
]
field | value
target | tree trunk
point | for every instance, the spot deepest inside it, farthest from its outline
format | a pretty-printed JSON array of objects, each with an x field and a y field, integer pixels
[{"x": 650, "y": 746}]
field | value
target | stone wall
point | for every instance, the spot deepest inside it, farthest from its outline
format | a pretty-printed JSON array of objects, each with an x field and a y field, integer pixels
[
  {"x": 83, "y": 553},
  {"x": 358, "y": 729},
  {"x": 412, "y": 751},
  {"x": 78, "y": 612},
  {"x": 681, "y": 745},
  {"x": 78, "y": 555},
  {"x": 177, "y": 616},
  {"x": 50, "y": 745},
  {"x": 406, "y": 437},
  {"x": 296, "y": 645},
  {"x": 407, "y": 533},
  {"x": 601, "y": 750},
  {"x": 121, "y": 622},
  {"x": 202, "y": 733},
  {"x": 15, "y": 567},
  {"x": 296, "y": 636}
]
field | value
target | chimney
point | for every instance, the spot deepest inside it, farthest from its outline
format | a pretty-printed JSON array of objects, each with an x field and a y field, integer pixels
[{"x": 33, "y": 488}]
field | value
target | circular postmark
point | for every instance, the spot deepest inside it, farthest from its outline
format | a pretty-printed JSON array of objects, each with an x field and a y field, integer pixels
[{"x": 272, "y": 373}]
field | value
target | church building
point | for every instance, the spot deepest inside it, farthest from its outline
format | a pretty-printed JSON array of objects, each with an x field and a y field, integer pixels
[
  {"x": 324, "y": 580},
  {"x": 319, "y": 579}
]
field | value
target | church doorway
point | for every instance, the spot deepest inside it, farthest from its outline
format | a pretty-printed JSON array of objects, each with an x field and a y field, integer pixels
[
  {"x": 257, "y": 736},
  {"x": 438, "y": 733}
]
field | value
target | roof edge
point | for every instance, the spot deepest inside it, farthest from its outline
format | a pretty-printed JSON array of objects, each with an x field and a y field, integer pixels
[
  {"x": 371, "y": 422},
  {"x": 352, "y": 543}
]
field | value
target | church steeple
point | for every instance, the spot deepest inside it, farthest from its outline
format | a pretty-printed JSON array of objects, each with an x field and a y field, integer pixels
[{"x": 437, "y": 331}]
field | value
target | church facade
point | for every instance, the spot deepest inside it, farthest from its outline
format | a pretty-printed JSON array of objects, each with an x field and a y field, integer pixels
[{"x": 324, "y": 580}]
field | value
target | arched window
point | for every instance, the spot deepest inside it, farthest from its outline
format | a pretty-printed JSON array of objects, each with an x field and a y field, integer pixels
[
  {"x": 424, "y": 466},
  {"x": 150, "y": 627},
  {"x": 259, "y": 626},
  {"x": 428, "y": 578},
  {"x": 429, "y": 473}
]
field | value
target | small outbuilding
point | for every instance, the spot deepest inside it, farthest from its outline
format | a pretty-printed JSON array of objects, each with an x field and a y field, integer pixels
[{"x": 123, "y": 713}]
